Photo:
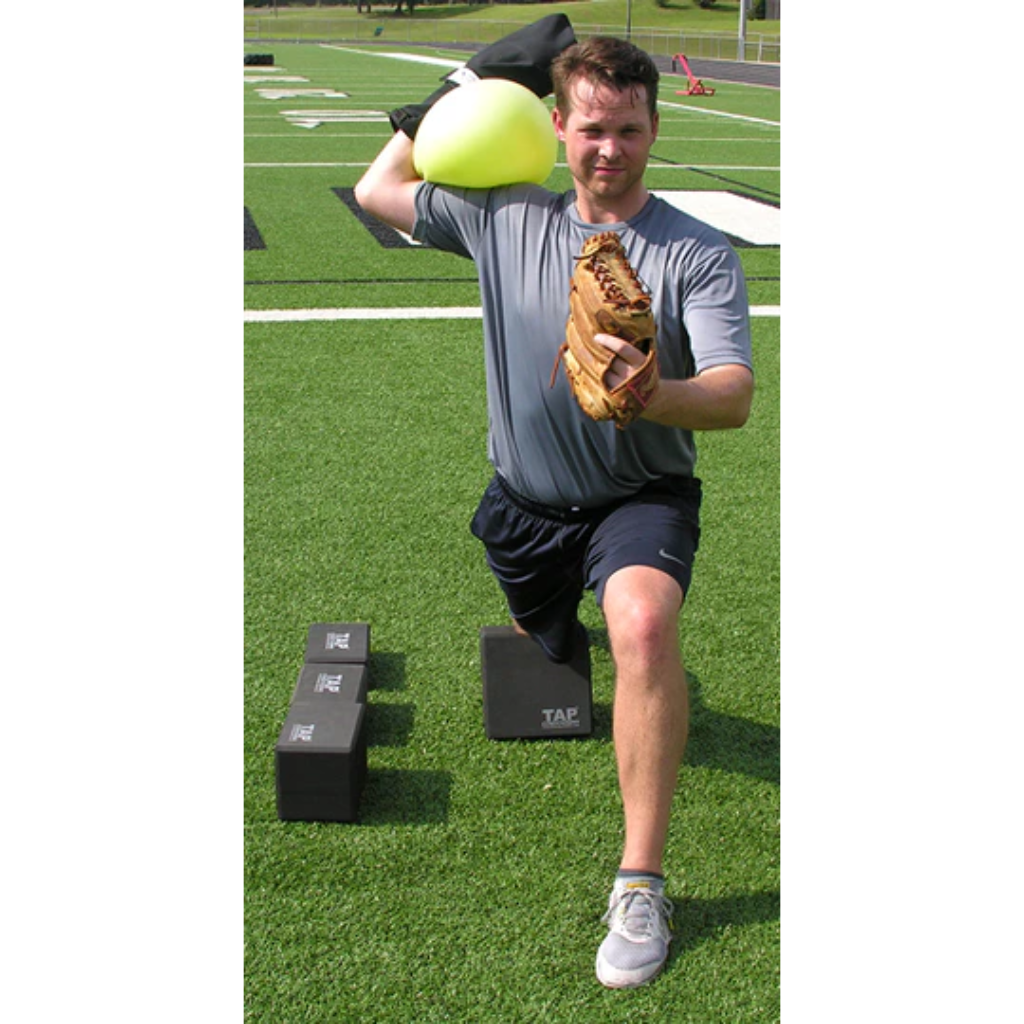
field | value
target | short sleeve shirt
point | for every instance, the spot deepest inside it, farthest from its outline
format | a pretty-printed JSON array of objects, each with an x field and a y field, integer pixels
[{"x": 523, "y": 240}]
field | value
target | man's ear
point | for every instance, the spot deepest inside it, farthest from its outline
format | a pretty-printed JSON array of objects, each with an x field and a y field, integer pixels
[{"x": 556, "y": 120}]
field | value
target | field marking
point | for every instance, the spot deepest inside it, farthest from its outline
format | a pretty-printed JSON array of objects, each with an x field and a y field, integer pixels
[
  {"x": 363, "y": 164},
  {"x": 689, "y": 108},
  {"x": 652, "y": 167},
  {"x": 738, "y": 216},
  {"x": 405, "y": 313},
  {"x": 302, "y": 94},
  {"x": 387, "y": 135},
  {"x": 415, "y": 58},
  {"x": 278, "y": 78},
  {"x": 383, "y": 313},
  {"x": 292, "y": 137},
  {"x": 707, "y": 167}
]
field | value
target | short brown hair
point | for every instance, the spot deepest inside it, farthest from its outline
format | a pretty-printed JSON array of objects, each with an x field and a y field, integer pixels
[{"x": 604, "y": 61}]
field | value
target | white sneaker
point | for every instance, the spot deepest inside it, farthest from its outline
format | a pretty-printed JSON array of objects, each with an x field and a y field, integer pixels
[{"x": 639, "y": 919}]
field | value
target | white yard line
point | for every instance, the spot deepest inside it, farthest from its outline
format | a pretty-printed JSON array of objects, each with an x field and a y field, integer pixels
[
  {"x": 719, "y": 113},
  {"x": 289, "y": 164},
  {"x": 651, "y": 167},
  {"x": 405, "y": 313},
  {"x": 384, "y": 313},
  {"x": 416, "y": 58}
]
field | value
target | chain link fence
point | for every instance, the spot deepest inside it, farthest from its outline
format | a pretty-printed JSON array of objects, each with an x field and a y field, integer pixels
[{"x": 468, "y": 34}]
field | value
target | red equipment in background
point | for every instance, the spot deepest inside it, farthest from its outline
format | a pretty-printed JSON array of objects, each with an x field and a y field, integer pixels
[{"x": 697, "y": 87}]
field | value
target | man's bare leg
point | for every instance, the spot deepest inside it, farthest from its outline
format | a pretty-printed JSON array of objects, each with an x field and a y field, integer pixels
[
  {"x": 650, "y": 722},
  {"x": 651, "y": 715}
]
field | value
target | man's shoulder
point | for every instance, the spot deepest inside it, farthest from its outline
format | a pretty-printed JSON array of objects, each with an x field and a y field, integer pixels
[
  {"x": 502, "y": 195},
  {"x": 665, "y": 217}
]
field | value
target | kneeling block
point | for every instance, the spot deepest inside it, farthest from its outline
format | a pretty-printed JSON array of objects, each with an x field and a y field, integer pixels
[{"x": 526, "y": 695}]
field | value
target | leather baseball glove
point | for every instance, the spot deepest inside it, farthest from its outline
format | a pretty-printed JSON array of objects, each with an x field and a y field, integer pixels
[{"x": 606, "y": 297}]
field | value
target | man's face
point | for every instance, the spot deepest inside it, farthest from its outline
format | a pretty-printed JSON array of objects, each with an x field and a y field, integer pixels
[{"x": 608, "y": 135}]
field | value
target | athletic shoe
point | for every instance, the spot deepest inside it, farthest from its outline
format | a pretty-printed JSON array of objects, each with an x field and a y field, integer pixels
[{"x": 639, "y": 920}]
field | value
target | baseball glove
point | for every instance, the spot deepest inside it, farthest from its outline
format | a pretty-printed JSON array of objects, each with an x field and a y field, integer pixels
[{"x": 606, "y": 297}]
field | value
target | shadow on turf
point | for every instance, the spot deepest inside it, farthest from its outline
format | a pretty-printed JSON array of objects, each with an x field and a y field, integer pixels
[
  {"x": 731, "y": 743},
  {"x": 387, "y": 671},
  {"x": 697, "y": 921},
  {"x": 716, "y": 740},
  {"x": 395, "y": 796}
]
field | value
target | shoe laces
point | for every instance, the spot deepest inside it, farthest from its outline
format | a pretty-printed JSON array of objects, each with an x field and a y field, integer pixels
[{"x": 640, "y": 914}]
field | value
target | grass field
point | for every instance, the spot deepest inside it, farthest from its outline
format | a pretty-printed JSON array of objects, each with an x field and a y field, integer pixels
[
  {"x": 472, "y": 887},
  {"x": 684, "y": 14},
  {"x": 664, "y": 29}
]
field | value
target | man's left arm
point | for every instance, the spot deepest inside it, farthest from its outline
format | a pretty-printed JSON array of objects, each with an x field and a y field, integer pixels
[{"x": 717, "y": 398}]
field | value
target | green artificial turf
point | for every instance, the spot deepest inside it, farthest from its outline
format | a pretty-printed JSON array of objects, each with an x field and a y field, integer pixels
[{"x": 471, "y": 888}]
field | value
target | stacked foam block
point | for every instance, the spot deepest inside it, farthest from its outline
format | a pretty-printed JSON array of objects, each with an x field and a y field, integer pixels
[{"x": 321, "y": 751}]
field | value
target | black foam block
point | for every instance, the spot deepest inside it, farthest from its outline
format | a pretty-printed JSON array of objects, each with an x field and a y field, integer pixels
[
  {"x": 333, "y": 643},
  {"x": 526, "y": 695},
  {"x": 321, "y": 762},
  {"x": 332, "y": 684}
]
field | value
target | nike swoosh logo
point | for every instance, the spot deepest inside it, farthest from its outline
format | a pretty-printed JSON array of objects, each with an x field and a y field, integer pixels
[{"x": 672, "y": 558}]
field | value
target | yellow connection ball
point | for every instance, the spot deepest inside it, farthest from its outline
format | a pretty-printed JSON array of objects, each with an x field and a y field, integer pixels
[{"x": 486, "y": 133}]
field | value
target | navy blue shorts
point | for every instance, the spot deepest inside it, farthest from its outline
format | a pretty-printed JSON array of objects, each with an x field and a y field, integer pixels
[{"x": 544, "y": 559}]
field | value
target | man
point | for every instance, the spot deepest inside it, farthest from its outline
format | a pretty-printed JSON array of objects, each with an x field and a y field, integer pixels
[{"x": 577, "y": 504}]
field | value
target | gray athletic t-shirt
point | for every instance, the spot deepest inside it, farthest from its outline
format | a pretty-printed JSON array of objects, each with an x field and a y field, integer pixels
[{"x": 523, "y": 240}]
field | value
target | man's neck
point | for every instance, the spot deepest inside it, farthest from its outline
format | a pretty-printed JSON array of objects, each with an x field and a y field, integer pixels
[{"x": 619, "y": 210}]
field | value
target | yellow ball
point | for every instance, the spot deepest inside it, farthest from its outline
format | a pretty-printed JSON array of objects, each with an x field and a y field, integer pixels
[{"x": 486, "y": 133}]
